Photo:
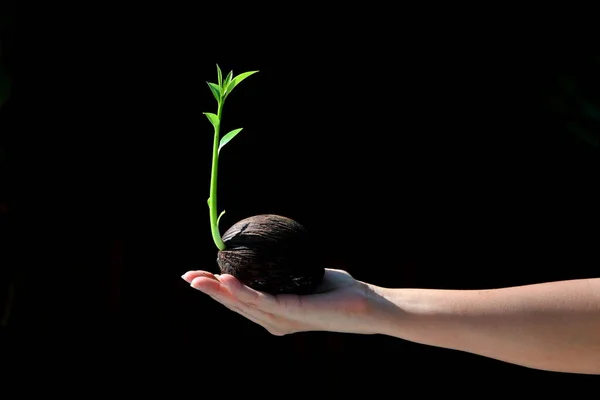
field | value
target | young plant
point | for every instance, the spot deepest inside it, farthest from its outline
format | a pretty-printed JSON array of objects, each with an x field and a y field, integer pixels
[{"x": 269, "y": 252}]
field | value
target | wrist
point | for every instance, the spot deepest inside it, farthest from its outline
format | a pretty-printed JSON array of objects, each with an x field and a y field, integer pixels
[
  {"x": 420, "y": 315},
  {"x": 409, "y": 313},
  {"x": 387, "y": 312}
]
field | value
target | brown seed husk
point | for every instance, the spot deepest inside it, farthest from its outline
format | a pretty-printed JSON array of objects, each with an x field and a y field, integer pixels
[{"x": 271, "y": 253}]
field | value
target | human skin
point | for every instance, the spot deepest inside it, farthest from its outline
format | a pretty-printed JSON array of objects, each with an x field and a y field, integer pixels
[{"x": 552, "y": 326}]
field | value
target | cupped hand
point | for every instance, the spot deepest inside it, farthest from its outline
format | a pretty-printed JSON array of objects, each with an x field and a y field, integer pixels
[{"x": 340, "y": 304}]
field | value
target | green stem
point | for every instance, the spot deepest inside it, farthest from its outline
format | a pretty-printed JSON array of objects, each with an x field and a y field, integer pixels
[{"x": 212, "y": 202}]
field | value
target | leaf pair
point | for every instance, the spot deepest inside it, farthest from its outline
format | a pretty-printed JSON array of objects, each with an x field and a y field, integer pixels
[
  {"x": 223, "y": 88},
  {"x": 220, "y": 91}
]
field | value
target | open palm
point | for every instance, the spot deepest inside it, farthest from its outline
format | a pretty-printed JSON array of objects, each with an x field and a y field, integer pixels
[{"x": 339, "y": 304}]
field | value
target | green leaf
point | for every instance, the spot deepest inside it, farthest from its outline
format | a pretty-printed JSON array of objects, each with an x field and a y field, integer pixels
[
  {"x": 216, "y": 90},
  {"x": 219, "y": 218},
  {"x": 219, "y": 76},
  {"x": 214, "y": 120},
  {"x": 227, "y": 79},
  {"x": 236, "y": 81},
  {"x": 225, "y": 139}
]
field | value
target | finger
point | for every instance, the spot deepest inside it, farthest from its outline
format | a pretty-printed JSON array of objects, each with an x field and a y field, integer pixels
[
  {"x": 191, "y": 275},
  {"x": 257, "y": 316},
  {"x": 250, "y": 297},
  {"x": 208, "y": 285},
  {"x": 220, "y": 293}
]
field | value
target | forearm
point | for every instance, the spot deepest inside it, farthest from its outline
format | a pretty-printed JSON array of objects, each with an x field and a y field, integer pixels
[{"x": 551, "y": 326}]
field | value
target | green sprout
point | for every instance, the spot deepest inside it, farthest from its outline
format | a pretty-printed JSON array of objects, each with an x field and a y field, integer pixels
[{"x": 221, "y": 90}]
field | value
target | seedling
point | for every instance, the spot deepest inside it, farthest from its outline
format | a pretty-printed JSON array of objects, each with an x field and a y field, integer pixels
[{"x": 268, "y": 252}]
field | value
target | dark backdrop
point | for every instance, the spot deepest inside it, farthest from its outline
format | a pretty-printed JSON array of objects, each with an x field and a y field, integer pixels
[{"x": 446, "y": 157}]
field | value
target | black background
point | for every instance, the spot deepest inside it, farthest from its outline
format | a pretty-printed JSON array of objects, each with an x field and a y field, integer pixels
[{"x": 429, "y": 154}]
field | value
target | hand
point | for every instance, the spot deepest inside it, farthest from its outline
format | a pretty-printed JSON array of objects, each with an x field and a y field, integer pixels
[{"x": 341, "y": 303}]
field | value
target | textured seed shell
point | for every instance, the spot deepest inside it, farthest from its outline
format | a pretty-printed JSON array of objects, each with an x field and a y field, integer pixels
[{"x": 271, "y": 253}]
